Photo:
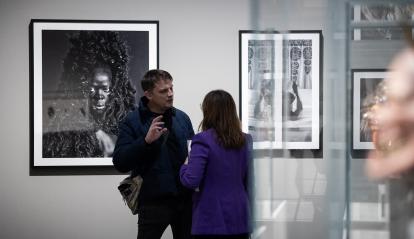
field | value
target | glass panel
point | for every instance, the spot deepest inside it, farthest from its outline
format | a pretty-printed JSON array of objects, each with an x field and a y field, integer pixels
[
  {"x": 311, "y": 72},
  {"x": 301, "y": 165},
  {"x": 378, "y": 30}
]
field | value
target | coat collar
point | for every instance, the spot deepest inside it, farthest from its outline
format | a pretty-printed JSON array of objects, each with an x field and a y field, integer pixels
[{"x": 146, "y": 113}]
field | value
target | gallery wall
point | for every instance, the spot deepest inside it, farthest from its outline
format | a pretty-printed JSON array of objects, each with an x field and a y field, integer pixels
[{"x": 198, "y": 46}]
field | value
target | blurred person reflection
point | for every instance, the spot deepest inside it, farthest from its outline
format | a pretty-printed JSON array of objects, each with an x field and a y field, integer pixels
[
  {"x": 392, "y": 122},
  {"x": 392, "y": 126}
]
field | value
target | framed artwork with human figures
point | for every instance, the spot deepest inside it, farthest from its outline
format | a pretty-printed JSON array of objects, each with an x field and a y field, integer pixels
[
  {"x": 84, "y": 78},
  {"x": 280, "y": 85},
  {"x": 380, "y": 21},
  {"x": 368, "y": 91}
]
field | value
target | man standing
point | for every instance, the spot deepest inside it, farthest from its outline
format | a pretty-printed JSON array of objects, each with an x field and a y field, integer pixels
[{"x": 152, "y": 142}]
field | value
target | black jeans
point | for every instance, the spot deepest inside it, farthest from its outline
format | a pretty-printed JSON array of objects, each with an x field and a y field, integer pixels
[{"x": 154, "y": 218}]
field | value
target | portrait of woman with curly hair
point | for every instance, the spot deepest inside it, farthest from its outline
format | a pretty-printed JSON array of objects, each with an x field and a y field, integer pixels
[{"x": 89, "y": 89}]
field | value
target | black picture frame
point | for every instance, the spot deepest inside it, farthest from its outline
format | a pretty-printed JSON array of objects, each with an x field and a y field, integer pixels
[
  {"x": 365, "y": 84},
  {"x": 73, "y": 116},
  {"x": 382, "y": 21},
  {"x": 271, "y": 61}
]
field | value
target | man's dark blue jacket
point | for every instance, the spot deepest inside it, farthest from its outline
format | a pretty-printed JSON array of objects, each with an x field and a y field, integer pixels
[{"x": 159, "y": 162}]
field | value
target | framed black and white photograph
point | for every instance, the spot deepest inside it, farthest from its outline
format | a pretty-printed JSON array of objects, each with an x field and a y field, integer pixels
[
  {"x": 84, "y": 78},
  {"x": 368, "y": 91},
  {"x": 388, "y": 18},
  {"x": 280, "y": 88}
]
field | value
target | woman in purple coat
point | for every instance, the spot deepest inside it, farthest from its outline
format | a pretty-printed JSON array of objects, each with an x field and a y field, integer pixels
[{"x": 218, "y": 170}]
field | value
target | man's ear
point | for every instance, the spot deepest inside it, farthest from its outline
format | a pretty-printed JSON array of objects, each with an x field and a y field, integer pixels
[{"x": 148, "y": 94}]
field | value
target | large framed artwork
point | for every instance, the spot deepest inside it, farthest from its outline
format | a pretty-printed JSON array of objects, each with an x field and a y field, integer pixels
[
  {"x": 280, "y": 75},
  {"x": 84, "y": 78},
  {"x": 368, "y": 90}
]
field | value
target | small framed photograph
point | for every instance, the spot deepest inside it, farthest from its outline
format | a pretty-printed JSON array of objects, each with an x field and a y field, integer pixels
[
  {"x": 368, "y": 90},
  {"x": 280, "y": 88},
  {"x": 389, "y": 18},
  {"x": 84, "y": 78}
]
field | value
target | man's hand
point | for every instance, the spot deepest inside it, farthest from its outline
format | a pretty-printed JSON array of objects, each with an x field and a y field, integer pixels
[{"x": 156, "y": 130}]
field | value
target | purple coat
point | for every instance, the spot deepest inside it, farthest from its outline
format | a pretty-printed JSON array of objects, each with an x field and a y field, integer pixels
[{"x": 221, "y": 202}]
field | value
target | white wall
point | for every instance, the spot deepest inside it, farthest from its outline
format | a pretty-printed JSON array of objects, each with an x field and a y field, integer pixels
[{"x": 198, "y": 46}]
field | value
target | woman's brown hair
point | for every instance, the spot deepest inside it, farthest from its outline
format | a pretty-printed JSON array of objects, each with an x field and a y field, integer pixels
[{"x": 219, "y": 111}]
